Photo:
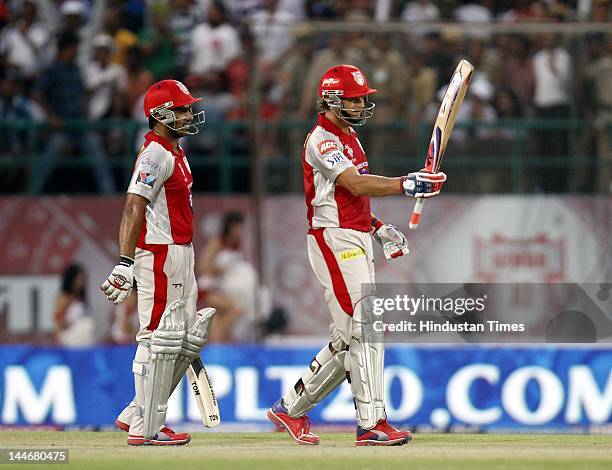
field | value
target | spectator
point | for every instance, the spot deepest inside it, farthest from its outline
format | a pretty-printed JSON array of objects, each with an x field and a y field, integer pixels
[
  {"x": 602, "y": 11},
  {"x": 517, "y": 70},
  {"x": 507, "y": 106},
  {"x": 272, "y": 31},
  {"x": 218, "y": 105},
  {"x": 219, "y": 257},
  {"x": 473, "y": 12},
  {"x": 387, "y": 71},
  {"x": 74, "y": 326},
  {"x": 476, "y": 108},
  {"x": 420, "y": 11},
  {"x": 139, "y": 79},
  {"x": 24, "y": 44},
  {"x": 552, "y": 70},
  {"x": 60, "y": 92},
  {"x": 158, "y": 45},
  {"x": 123, "y": 37},
  {"x": 526, "y": 10},
  {"x": 422, "y": 82},
  {"x": 338, "y": 52},
  {"x": 214, "y": 44},
  {"x": 291, "y": 73},
  {"x": 15, "y": 108},
  {"x": 599, "y": 76},
  {"x": 85, "y": 23},
  {"x": 103, "y": 79},
  {"x": 484, "y": 59},
  {"x": 438, "y": 58},
  {"x": 182, "y": 22}
]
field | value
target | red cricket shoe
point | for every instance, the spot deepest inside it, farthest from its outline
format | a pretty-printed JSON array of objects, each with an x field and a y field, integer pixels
[
  {"x": 298, "y": 428},
  {"x": 383, "y": 434},
  {"x": 165, "y": 437}
]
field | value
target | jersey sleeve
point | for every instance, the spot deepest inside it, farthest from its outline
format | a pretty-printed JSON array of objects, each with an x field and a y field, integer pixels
[
  {"x": 152, "y": 170},
  {"x": 326, "y": 156}
]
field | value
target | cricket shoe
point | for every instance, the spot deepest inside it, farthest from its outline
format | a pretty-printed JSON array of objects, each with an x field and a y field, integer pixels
[
  {"x": 165, "y": 437},
  {"x": 298, "y": 428},
  {"x": 383, "y": 434}
]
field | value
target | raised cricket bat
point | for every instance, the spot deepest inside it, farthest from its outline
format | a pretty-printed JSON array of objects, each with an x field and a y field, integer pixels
[
  {"x": 204, "y": 394},
  {"x": 444, "y": 126}
]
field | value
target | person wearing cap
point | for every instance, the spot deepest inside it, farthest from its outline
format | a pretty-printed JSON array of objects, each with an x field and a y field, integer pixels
[
  {"x": 155, "y": 250},
  {"x": 338, "y": 187}
]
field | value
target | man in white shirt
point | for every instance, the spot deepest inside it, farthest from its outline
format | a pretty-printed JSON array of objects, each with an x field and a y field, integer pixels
[
  {"x": 214, "y": 44},
  {"x": 552, "y": 68},
  {"x": 25, "y": 43},
  {"x": 103, "y": 78}
]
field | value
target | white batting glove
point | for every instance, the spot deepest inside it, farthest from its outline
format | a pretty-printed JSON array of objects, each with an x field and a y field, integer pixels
[
  {"x": 118, "y": 285},
  {"x": 392, "y": 240},
  {"x": 423, "y": 183}
]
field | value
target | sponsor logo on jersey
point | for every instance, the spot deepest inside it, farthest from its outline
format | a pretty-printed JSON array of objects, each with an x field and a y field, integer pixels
[
  {"x": 334, "y": 157},
  {"x": 330, "y": 82},
  {"x": 362, "y": 167},
  {"x": 146, "y": 178},
  {"x": 327, "y": 146},
  {"x": 350, "y": 254},
  {"x": 358, "y": 77},
  {"x": 146, "y": 161}
]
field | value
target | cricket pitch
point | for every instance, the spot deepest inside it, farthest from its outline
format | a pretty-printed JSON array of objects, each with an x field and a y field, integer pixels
[{"x": 274, "y": 450}]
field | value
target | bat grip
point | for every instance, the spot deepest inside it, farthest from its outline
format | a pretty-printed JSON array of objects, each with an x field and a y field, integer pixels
[{"x": 416, "y": 213}]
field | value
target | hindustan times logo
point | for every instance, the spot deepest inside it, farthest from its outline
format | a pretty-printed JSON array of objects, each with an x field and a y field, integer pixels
[{"x": 414, "y": 305}]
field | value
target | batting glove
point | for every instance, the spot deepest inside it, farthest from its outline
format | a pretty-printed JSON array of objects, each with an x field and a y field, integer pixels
[
  {"x": 423, "y": 183},
  {"x": 392, "y": 240},
  {"x": 118, "y": 286}
]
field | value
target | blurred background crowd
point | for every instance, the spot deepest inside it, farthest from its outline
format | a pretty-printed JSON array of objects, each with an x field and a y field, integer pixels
[{"x": 73, "y": 75}]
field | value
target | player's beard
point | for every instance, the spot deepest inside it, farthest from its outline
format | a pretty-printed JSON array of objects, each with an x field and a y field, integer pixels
[{"x": 177, "y": 134}]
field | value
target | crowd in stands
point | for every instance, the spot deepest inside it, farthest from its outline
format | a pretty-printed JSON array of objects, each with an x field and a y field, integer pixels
[{"x": 92, "y": 60}]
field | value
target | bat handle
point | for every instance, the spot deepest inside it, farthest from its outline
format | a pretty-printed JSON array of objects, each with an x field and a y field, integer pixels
[{"x": 416, "y": 213}]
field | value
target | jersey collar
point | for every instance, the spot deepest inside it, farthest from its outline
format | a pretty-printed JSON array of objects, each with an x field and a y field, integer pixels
[
  {"x": 153, "y": 137},
  {"x": 331, "y": 127}
]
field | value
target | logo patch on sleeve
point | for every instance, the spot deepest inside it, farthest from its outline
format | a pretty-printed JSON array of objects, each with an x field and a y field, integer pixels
[
  {"x": 333, "y": 158},
  {"x": 327, "y": 146},
  {"x": 146, "y": 178}
]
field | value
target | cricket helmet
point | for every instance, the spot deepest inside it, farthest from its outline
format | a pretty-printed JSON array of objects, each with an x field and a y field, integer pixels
[
  {"x": 346, "y": 81},
  {"x": 165, "y": 96}
]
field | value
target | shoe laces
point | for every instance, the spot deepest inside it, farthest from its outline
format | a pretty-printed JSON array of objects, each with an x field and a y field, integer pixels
[
  {"x": 384, "y": 426},
  {"x": 305, "y": 421}
]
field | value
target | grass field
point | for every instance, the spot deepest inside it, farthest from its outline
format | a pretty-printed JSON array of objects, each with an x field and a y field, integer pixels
[{"x": 108, "y": 450}]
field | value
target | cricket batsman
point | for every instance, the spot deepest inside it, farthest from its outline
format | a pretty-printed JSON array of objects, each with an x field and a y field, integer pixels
[
  {"x": 341, "y": 227},
  {"x": 155, "y": 250}
]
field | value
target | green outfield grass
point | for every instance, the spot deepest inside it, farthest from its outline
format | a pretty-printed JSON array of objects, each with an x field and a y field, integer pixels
[{"x": 90, "y": 450}]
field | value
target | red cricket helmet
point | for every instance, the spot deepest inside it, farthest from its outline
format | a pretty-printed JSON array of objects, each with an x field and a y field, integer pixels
[
  {"x": 346, "y": 81},
  {"x": 167, "y": 95}
]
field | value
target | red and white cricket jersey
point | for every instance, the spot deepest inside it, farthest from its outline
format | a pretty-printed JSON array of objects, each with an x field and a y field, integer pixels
[
  {"x": 163, "y": 176},
  {"x": 327, "y": 153}
]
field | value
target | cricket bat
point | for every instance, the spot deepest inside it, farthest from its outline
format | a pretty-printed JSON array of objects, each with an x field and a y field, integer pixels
[
  {"x": 204, "y": 394},
  {"x": 444, "y": 126}
]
